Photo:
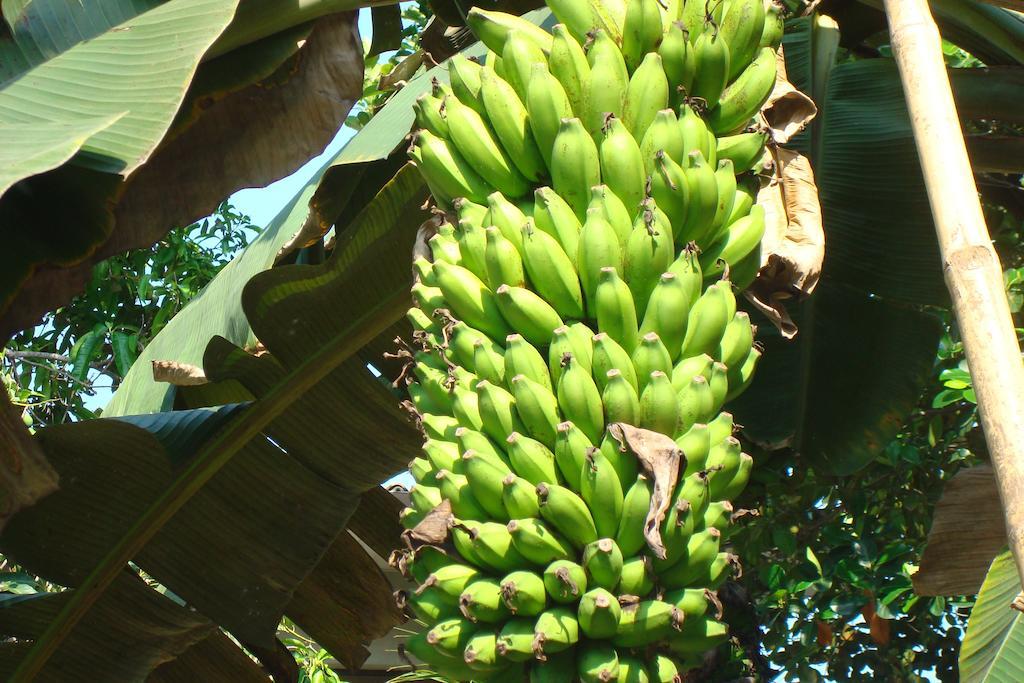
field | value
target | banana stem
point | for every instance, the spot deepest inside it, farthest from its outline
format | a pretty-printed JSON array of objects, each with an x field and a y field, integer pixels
[{"x": 972, "y": 270}]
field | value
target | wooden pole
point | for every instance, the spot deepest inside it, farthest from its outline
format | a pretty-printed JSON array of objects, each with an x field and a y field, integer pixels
[{"x": 971, "y": 267}]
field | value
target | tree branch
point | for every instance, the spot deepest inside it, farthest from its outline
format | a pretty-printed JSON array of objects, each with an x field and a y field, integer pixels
[{"x": 42, "y": 355}]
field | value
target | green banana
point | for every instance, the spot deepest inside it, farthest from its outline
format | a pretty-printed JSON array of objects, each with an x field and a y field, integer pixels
[
  {"x": 581, "y": 18},
  {"x": 723, "y": 462},
  {"x": 601, "y": 490},
  {"x": 485, "y": 477},
  {"x": 598, "y": 248},
  {"x": 613, "y": 210},
  {"x": 739, "y": 481},
  {"x": 747, "y": 188},
  {"x": 726, "y": 180},
  {"x": 477, "y": 441},
  {"x": 646, "y": 95},
  {"x": 606, "y": 90},
  {"x": 637, "y": 577},
  {"x": 464, "y": 75},
  {"x": 481, "y": 653},
  {"x": 515, "y": 641},
  {"x": 531, "y": 459},
  {"x": 536, "y": 542},
  {"x": 575, "y": 165},
  {"x": 721, "y": 568},
  {"x": 523, "y": 593},
  {"x": 774, "y": 21},
  {"x": 695, "y": 443},
  {"x": 701, "y": 551},
  {"x": 547, "y": 104},
  {"x": 703, "y": 194},
  {"x": 744, "y": 97},
  {"x": 603, "y": 561},
  {"x": 742, "y": 375},
  {"x": 698, "y": 635},
  {"x": 719, "y": 516},
  {"x": 421, "y": 469},
  {"x": 622, "y": 165},
  {"x": 686, "y": 267},
  {"x": 696, "y": 403},
  {"x": 427, "y": 298},
  {"x": 688, "y": 368},
  {"x": 471, "y": 244},
  {"x": 456, "y": 489},
  {"x": 555, "y": 630},
  {"x": 609, "y": 355},
  {"x": 551, "y": 271},
  {"x": 740, "y": 239},
  {"x": 708, "y": 319},
  {"x": 450, "y": 636},
  {"x": 741, "y": 30},
  {"x": 462, "y": 341},
  {"x": 466, "y": 407},
  {"x": 718, "y": 383},
  {"x": 439, "y": 426},
  {"x": 651, "y": 356},
  {"x": 519, "y": 497},
  {"x": 641, "y": 31},
  {"x": 694, "y": 132},
  {"x": 441, "y": 454},
  {"x": 711, "y": 57},
  {"x": 633, "y": 670},
  {"x": 663, "y": 669},
  {"x": 622, "y": 460},
  {"x": 667, "y": 314},
  {"x": 621, "y": 403},
  {"x": 693, "y": 602},
  {"x": 527, "y": 313},
  {"x": 565, "y": 581},
  {"x": 659, "y": 407},
  {"x": 447, "y": 174},
  {"x": 569, "y": 65},
  {"x": 646, "y": 622},
  {"x": 429, "y": 606},
  {"x": 567, "y": 513},
  {"x": 649, "y": 252},
  {"x": 721, "y": 427},
  {"x": 670, "y": 190},
  {"x": 450, "y": 580},
  {"x": 461, "y": 535},
  {"x": 522, "y": 358},
  {"x": 555, "y": 217},
  {"x": 555, "y": 669},
  {"x": 635, "y": 506},
  {"x": 663, "y": 135},
  {"x": 615, "y": 310},
  {"x": 569, "y": 340},
  {"x": 492, "y": 28},
  {"x": 677, "y": 57},
  {"x": 424, "y": 498},
  {"x": 518, "y": 58},
  {"x": 571, "y": 446},
  {"x": 481, "y": 601},
  {"x": 744, "y": 150},
  {"x": 507, "y": 217},
  {"x": 492, "y": 544},
  {"x": 502, "y": 262},
  {"x": 508, "y": 117},
  {"x": 537, "y": 408},
  {"x": 598, "y": 613},
  {"x": 692, "y": 17},
  {"x": 579, "y": 398},
  {"x": 489, "y": 367},
  {"x": 597, "y": 662},
  {"x": 428, "y": 114},
  {"x": 470, "y": 299}
]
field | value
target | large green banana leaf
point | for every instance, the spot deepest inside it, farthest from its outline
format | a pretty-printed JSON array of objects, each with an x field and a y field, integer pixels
[
  {"x": 993, "y": 648},
  {"x": 247, "y": 539},
  {"x": 198, "y": 103}
]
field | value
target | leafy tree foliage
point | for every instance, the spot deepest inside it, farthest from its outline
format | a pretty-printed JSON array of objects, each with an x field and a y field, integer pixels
[{"x": 86, "y": 347}]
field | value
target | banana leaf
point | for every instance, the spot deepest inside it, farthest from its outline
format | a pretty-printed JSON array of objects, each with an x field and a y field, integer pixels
[
  {"x": 200, "y": 102},
  {"x": 993, "y": 647}
]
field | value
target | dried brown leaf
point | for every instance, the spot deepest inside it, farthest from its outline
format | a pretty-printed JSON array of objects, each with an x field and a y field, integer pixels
[
  {"x": 793, "y": 248},
  {"x": 660, "y": 459},
  {"x": 178, "y": 374},
  {"x": 968, "y": 531},
  {"x": 25, "y": 475}
]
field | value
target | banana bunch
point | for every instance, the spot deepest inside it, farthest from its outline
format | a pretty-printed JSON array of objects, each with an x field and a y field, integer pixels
[{"x": 598, "y": 187}]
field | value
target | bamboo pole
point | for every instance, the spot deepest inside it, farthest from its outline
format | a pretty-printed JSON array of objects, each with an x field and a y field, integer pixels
[{"x": 971, "y": 267}]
